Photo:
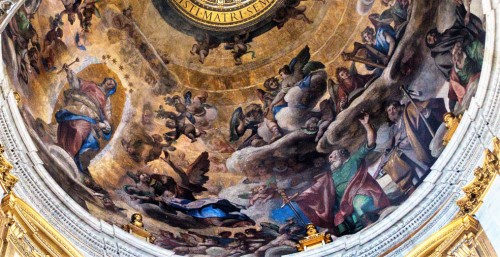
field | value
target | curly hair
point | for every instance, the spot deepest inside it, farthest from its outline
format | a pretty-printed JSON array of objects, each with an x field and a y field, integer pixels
[
  {"x": 369, "y": 31},
  {"x": 338, "y": 71},
  {"x": 395, "y": 104},
  {"x": 268, "y": 83}
]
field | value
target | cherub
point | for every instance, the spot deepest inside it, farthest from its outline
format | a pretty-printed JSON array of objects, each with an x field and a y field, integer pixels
[
  {"x": 71, "y": 8},
  {"x": 88, "y": 9},
  {"x": 147, "y": 114},
  {"x": 239, "y": 47},
  {"x": 196, "y": 105},
  {"x": 159, "y": 147},
  {"x": 177, "y": 121},
  {"x": 243, "y": 121},
  {"x": 181, "y": 128},
  {"x": 143, "y": 186},
  {"x": 272, "y": 86},
  {"x": 261, "y": 192},
  {"x": 133, "y": 148},
  {"x": 52, "y": 42},
  {"x": 291, "y": 10},
  {"x": 202, "y": 46},
  {"x": 181, "y": 107},
  {"x": 198, "y": 110}
]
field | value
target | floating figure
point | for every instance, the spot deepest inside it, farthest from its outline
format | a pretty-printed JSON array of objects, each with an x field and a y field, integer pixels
[
  {"x": 203, "y": 45},
  {"x": 85, "y": 117},
  {"x": 291, "y": 10},
  {"x": 248, "y": 120},
  {"x": 239, "y": 47}
]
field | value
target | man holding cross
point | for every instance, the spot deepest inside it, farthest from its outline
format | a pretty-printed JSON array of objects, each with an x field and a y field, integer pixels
[{"x": 86, "y": 115}]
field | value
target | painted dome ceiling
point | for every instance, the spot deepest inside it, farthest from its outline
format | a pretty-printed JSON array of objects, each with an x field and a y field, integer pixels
[{"x": 230, "y": 124}]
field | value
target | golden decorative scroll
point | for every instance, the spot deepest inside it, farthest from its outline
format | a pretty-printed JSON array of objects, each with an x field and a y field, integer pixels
[
  {"x": 464, "y": 236},
  {"x": 23, "y": 231},
  {"x": 17, "y": 96},
  {"x": 313, "y": 239},
  {"x": 233, "y": 13},
  {"x": 451, "y": 122},
  {"x": 136, "y": 228}
]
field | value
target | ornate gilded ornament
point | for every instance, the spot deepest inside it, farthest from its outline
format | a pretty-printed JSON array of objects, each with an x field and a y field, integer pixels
[
  {"x": 136, "y": 228},
  {"x": 221, "y": 20},
  {"x": 24, "y": 231},
  {"x": 451, "y": 122},
  {"x": 475, "y": 191},
  {"x": 17, "y": 97},
  {"x": 7, "y": 180},
  {"x": 464, "y": 237},
  {"x": 313, "y": 239},
  {"x": 217, "y": 14}
]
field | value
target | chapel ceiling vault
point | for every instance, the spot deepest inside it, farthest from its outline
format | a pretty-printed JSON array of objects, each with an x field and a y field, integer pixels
[{"x": 231, "y": 124}]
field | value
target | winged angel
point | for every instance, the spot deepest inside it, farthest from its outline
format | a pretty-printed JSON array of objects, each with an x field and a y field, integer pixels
[
  {"x": 173, "y": 200},
  {"x": 302, "y": 75}
]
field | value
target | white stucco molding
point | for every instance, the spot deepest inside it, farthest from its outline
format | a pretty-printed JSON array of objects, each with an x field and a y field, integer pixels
[{"x": 432, "y": 204}]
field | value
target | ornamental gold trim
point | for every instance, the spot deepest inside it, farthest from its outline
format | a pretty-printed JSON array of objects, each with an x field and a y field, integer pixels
[
  {"x": 451, "y": 122},
  {"x": 136, "y": 228},
  {"x": 227, "y": 15},
  {"x": 464, "y": 237},
  {"x": 23, "y": 231}
]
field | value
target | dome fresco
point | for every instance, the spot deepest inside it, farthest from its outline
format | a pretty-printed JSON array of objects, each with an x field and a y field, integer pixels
[{"x": 206, "y": 116}]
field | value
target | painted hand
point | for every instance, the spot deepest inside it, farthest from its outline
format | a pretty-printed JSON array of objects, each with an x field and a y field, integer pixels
[{"x": 365, "y": 120}]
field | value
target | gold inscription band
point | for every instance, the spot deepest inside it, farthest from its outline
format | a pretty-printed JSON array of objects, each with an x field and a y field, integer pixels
[{"x": 234, "y": 15}]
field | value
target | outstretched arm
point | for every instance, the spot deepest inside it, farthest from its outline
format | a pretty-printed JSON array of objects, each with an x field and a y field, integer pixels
[
  {"x": 73, "y": 80},
  {"x": 371, "y": 135}
]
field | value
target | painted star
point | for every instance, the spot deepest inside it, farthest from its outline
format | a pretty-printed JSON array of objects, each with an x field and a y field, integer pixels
[
  {"x": 120, "y": 67},
  {"x": 114, "y": 61},
  {"x": 104, "y": 57},
  {"x": 108, "y": 56},
  {"x": 127, "y": 76}
]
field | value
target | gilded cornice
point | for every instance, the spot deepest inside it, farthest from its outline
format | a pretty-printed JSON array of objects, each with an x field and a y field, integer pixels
[
  {"x": 22, "y": 228},
  {"x": 459, "y": 237}
]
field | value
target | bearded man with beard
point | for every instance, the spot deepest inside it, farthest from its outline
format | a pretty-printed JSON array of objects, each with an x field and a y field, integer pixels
[
  {"x": 408, "y": 158},
  {"x": 346, "y": 198}
]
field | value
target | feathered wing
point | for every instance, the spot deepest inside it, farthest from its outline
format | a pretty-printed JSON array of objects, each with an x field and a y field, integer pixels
[
  {"x": 298, "y": 63},
  {"x": 234, "y": 123},
  {"x": 311, "y": 67},
  {"x": 197, "y": 171},
  {"x": 194, "y": 177}
]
